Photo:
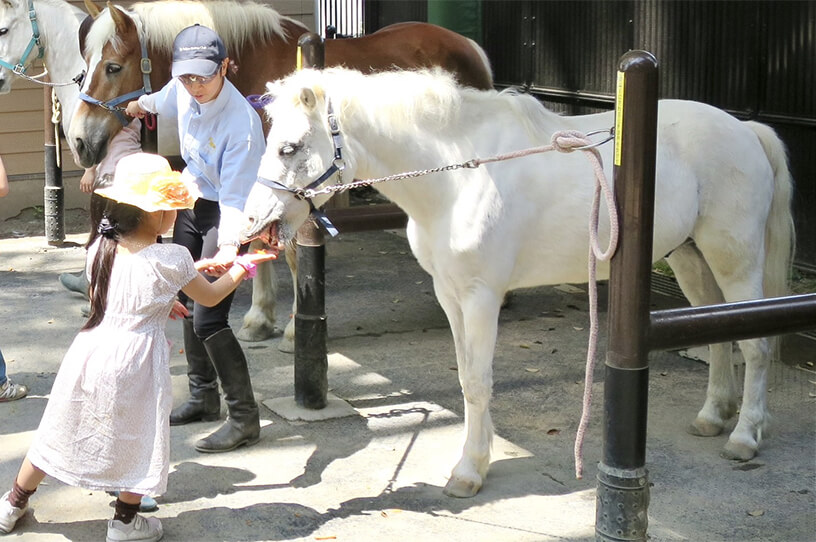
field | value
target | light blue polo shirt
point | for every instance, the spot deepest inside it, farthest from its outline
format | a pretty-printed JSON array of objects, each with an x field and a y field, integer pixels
[{"x": 222, "y": 143}]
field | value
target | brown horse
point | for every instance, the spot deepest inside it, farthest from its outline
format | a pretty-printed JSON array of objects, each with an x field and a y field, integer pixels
[{"x": 129, "y": 53}]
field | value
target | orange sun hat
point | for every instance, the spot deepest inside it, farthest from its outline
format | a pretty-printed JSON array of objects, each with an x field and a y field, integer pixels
[{"x": 148, "y": 182}]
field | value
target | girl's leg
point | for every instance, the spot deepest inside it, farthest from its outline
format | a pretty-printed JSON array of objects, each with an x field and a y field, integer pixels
[
  {"x": 13, "y": 504},
  {"x": 127, "y": 504},
  {"x": 29, "y": 476}
]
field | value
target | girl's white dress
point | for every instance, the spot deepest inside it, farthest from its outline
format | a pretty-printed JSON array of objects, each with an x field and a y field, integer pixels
[{"x": 106, "y": 425}]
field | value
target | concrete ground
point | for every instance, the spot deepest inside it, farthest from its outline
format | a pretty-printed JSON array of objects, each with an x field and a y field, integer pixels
[{"x": 378, "y": 474}]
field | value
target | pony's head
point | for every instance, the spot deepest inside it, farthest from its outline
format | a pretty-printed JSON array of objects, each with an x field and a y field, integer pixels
[
  {"x": 299, "y": 150},
  {"x": 15, "y": 37},
  {"x": 113, "y": 55}
]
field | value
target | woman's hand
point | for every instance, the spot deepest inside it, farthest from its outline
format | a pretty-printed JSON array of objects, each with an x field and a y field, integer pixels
[{"x": 135, "y": 110}]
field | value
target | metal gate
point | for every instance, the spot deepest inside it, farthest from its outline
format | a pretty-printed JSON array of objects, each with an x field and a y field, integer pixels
[{"x": 342, "y": 18}]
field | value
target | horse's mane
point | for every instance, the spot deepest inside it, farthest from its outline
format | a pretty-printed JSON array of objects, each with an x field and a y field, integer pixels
[
  {"x": 238, "y": 23},
  {"x": 427, "y": 101}
]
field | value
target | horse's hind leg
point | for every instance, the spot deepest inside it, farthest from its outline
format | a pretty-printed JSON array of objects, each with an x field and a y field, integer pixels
[
  {"x": 736, "y": 260},
  {"x": 259, "y": 321},
  {"x": 698, "y": 284}
]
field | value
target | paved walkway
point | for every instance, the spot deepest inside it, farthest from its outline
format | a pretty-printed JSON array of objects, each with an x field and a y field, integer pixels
[{"x": 378, "y": 475}]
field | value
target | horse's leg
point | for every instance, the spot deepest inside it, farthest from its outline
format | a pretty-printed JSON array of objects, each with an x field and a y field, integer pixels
[
  {"x": 474, "y": 331},
  {"x": 736, "y": 259},
  {"x": 287, "y": 342},
  {"x": 259, "y": 321},
  {"x": 698, "y": 284}
]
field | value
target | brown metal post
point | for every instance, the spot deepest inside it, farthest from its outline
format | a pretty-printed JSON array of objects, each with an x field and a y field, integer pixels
[
  {"x": 311, "y": 354},
  {"x": 623, "y": 488},
  {"x": 54, "y": 193}
]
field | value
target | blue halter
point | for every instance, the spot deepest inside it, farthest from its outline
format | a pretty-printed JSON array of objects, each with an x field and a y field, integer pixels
[
  {"x": 35, "y": 41},
  {"x": 112, "y": 105}
]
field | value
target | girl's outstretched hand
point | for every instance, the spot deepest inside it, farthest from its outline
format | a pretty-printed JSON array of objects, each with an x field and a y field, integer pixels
[{"x": 215, "y": 268}]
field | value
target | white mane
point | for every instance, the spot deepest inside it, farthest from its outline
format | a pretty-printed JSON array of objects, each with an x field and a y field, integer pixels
[
  {"x": 159, "y": 22},
  {"x": 422, "y": 101}
]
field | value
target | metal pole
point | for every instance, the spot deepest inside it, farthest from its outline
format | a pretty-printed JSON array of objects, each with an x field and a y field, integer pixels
[
  {"x": 54, "y": 193},
  {"x": 311, "y": 355},
  {"x": 623, "y": 488}
]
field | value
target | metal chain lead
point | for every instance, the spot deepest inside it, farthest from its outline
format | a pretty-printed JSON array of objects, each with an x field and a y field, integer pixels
[
  {"x": 36, "y": 79},
  {"x": 471, "y": 164}
]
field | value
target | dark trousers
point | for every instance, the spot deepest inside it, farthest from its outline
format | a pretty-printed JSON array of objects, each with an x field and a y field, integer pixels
[{"x": 197, "y": 229}]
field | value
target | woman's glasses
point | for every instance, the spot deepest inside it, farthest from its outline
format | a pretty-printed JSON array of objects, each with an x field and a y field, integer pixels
[{"x": 188, "y": 79}]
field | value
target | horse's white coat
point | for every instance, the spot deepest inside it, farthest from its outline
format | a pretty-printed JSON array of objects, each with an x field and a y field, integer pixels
[
  {"x": 721, "y": 183},
  {"x": 58, "y": 22}
]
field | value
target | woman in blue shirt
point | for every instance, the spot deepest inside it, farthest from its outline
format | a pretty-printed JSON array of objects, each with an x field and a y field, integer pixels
[{"x": 222, "y": 142}]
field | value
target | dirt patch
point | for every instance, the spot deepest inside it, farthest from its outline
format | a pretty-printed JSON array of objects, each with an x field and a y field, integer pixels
[{"x": 31, "y": 223}]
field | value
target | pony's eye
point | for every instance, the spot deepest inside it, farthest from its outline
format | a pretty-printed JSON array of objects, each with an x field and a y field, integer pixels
[
  {"x": 287, "y": 149},
  {"x": 110, "y": 69},
  {"x": 3, "y": 31}
]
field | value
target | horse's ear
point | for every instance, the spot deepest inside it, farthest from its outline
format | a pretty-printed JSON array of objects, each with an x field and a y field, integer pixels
[
  {"x": 92, "y": 9},
  {"x": 120, "y": 20},
  {"x": 308, "y": 98}
]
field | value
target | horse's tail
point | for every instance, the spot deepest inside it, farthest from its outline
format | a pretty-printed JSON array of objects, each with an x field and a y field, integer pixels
[{"x": 779, "y": 229}]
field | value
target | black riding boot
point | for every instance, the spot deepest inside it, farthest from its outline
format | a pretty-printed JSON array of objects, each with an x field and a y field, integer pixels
[
  {"x": 243, "y": 425},
  {"x": 76, "y": 282},
  {"x": 204, "y": 403}
]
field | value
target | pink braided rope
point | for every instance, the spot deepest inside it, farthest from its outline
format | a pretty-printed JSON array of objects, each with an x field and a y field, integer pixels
[{"x": 595, "y": 253}]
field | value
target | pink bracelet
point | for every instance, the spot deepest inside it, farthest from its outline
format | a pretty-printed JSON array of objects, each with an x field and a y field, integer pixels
[{"x": 250, "y": 268}]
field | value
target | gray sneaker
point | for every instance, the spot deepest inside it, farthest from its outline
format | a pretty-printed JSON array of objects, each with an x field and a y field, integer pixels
[
  {"x": 10, "y": 391},
  {"x": 141, "y": 529},
  {"x": 9, "y": 514}
]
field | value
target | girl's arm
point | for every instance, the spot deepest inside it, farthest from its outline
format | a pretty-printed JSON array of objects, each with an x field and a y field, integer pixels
[{"x": 210, "y": 294}]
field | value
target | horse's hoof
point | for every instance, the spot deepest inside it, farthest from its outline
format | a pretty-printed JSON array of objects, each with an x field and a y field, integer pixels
[
  {"x": 738, "y": 451},
  {"x": 704, "y": 428},
  {"x": 286, "y": 345},
  {"x": 462, "y": 489},
  {"x": 256, "y": 333}
]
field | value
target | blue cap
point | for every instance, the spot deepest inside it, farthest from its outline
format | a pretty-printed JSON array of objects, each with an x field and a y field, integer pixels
[{"x": 197, "y": 50}]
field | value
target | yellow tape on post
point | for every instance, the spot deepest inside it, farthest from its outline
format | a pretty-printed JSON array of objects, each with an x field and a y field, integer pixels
[
  {"x": 299, "y": 65},
  {"x": 619, "y": 116}
]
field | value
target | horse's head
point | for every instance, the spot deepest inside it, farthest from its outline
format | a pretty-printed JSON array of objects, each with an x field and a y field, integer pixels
[
  {"x": 299, "y": 150},
  {"x": 15, "y": 37},
  {"x": 113, "y": 55}
]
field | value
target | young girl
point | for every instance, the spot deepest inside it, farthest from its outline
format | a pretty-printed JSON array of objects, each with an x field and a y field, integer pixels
[{"x": 106, "y": 425}]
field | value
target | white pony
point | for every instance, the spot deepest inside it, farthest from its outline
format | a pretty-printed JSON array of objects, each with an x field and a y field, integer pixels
[
  {"x": 722, "y": 213},
  {"x": 58, "y": 24}
]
